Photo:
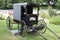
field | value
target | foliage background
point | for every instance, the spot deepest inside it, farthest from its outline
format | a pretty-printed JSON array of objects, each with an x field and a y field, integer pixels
[{"x": 8, "y": 4}]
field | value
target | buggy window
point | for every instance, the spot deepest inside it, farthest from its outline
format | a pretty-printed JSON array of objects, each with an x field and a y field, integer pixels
[{"x": 35, "y": 10}]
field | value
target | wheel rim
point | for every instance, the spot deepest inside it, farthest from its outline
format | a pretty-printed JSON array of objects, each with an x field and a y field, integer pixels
[
  {"x": 8, "y": 21},
  {"x": 24, "y": 31},
  {"x": 44, "y": 29}
]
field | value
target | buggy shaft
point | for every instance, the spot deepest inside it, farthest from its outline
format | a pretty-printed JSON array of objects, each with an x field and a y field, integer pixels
[{"x": 53, "y": 33}]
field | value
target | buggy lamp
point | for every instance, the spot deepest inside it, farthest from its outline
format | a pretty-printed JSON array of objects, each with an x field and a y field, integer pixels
[{"x": 32, "y": 18}]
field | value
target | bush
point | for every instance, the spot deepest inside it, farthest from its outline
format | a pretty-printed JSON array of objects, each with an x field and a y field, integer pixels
[
  {"x": 55, "y": 20},
  {"x": 50, "y": 9},
  {"x": 58, "y": 4},
  {"x": 1, "y": 17},
  {"x": 44, "y": 14}
]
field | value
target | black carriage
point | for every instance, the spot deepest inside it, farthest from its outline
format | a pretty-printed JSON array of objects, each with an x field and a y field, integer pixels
[{"x": 24, "y": 15}]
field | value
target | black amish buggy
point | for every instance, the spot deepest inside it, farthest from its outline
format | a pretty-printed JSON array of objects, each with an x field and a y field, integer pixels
[{"x": 23, "y": 14}]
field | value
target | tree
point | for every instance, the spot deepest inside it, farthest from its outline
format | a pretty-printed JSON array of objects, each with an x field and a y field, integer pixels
[{"x": 2, "y": 3}]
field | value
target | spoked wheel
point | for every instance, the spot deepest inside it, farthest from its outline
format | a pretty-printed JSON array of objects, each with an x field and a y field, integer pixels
[
  {"x": 8, "y": 22},
  {"x": 43, "y": 26},
  {"x": 23, "y": 29}
]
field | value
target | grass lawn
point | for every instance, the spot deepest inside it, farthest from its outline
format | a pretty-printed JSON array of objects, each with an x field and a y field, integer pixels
[{"x": 6, "y": 35}]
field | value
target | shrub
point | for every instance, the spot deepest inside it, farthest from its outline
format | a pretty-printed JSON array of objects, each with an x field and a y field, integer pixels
[
  {"x": 50, "y": 9},
  {"x": 44, "y": 14},
  {"x": 1, "y": 17},
  {"x": 58, "y": 4}
]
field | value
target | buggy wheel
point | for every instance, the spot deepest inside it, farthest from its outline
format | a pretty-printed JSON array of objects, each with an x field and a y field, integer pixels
[
  {"x": 43, "y": 24},
  {"x": 23, "y": 29},
  {"x": 8, "y": 22}
]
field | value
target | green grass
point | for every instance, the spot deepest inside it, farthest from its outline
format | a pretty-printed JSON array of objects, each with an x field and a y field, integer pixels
[
  {"x": 6, "y": 35},
  {"x": 55, "y": 20}
]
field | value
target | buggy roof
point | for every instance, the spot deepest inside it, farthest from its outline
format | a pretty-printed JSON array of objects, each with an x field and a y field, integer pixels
[{"x": 20, "y": 4}]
